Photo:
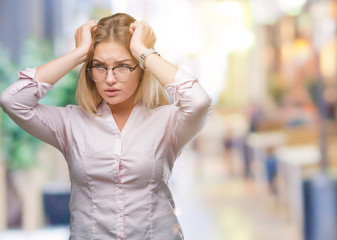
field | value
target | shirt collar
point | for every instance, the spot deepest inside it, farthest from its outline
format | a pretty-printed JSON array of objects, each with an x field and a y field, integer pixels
[{"x": 103, "y": 108}]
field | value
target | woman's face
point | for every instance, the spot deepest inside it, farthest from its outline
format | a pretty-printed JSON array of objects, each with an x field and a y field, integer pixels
[{"x": 116, "y": 93}]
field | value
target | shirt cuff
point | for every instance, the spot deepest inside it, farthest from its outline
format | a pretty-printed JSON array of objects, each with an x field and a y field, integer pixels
[
  {"x": 179, "y": 88},
  {"x": 27, "y": 79}
]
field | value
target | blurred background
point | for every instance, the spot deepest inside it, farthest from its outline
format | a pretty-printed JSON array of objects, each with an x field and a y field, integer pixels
[{"x": 264, "y": 168}]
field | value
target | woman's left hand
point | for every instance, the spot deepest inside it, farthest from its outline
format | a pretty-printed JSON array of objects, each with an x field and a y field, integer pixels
[
  {"x": 83, "y": 36},
  {"x": 142, "y": 38}
]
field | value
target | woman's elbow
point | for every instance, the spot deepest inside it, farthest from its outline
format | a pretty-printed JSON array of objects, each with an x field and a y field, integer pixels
[
  {"x": 11, "y": 104},
  {"x": 5, "y": 101},
  {"x": 202, "y": 104}
]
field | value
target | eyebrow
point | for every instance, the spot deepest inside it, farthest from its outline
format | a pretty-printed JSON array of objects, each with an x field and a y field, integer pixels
[{"x": 117, "y": 62}]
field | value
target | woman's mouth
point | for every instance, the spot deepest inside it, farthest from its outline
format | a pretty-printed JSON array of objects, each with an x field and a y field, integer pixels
[{"x": 112, "y": 92}]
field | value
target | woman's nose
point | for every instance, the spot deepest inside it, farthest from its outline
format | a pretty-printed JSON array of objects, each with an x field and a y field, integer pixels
[{"x": 110, "y": 77}]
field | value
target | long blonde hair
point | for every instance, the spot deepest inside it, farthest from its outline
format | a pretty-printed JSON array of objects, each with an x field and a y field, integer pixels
[{"x": 116, "y": 28}]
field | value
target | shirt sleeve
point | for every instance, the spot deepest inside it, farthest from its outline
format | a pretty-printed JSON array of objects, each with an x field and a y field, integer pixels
[
  {"x": 192, "y": 109},
  {"x": 20, "y": 102}
]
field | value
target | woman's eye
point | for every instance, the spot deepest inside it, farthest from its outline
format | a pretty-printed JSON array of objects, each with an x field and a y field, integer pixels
[
  {"x": 99, "y": 66},
  {"x": 123, "y": 66}
]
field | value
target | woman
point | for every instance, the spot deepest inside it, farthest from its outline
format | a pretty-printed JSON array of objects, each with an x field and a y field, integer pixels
[{"x": 121, "y": 142}]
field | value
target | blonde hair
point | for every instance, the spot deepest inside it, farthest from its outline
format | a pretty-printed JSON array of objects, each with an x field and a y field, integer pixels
[{"x": 150, "y": 93}]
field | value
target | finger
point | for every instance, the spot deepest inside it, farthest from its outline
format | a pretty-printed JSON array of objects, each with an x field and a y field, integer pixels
[
  {"x": 91, "y": 25},
  {"x": 94, "y": 28},
  {"x": 91, "y": 22},
  {"x": 131, "y": 30},
  {"x": 144, "y": 23},
  {"x": 137, "y": 23},
  {"x": 87, "y": 25},
  {"x": 132, "y": 25}
]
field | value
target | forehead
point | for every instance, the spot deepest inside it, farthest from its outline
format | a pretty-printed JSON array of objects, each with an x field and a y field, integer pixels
[{"x": 111, "y": 51}]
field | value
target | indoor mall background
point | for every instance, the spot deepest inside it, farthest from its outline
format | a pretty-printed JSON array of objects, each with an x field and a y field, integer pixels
[{"x": 264, "y": 167}]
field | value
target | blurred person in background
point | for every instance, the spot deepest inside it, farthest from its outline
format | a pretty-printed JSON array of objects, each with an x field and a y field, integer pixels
[
  {"x": 122, "y": 140},
  {"x": 270, "y": 164}
]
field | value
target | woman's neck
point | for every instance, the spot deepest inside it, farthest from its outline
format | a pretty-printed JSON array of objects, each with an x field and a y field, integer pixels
[
  {"x": 121, "y": 112},
  {"x": 123, "y": 107}
]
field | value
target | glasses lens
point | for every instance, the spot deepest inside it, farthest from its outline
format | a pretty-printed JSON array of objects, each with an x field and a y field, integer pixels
[
  {"x": 98, "y": 73},
  {"x": 122, "y": 73}
]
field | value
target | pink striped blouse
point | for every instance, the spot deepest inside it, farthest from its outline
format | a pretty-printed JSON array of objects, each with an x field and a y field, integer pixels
[{"x": 119, "y": 179}]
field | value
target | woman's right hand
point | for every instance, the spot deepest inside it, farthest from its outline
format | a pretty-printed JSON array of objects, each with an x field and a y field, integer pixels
[
  {"x": 54, "y": 70},
  {"x": 83, "y": 36}
]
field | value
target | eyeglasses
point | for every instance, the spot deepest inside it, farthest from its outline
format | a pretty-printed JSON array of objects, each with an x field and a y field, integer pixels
[{"x": 99, "y": 72}]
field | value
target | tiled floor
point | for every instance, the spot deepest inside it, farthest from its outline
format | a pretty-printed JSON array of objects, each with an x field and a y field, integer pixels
[
  {"x": 56, "y": 233},
  {"x": 215, "y": 206}
]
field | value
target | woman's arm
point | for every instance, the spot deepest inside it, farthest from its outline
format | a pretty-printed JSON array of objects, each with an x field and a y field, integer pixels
[
  {"x": 191, "y": 112},
  {"x": 52, "y": 71},
  {"x": 143, "y": 38},
  {"x": 20, "y": 99},
  {"x": 193, "y": 104}
]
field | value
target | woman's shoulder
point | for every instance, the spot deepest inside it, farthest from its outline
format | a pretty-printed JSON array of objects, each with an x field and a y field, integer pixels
[
  {"x": 78, "y": 115},
  {"x": 76, "y": 110},
  {"x": 72, "y": 107}
]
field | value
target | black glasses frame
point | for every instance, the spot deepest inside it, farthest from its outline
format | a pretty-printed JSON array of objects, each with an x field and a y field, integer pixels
[{"x": 112, "y": 68}]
